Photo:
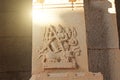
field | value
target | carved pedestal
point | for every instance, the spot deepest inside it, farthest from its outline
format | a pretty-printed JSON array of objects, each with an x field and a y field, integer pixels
[{"x": 59, "y": 45}]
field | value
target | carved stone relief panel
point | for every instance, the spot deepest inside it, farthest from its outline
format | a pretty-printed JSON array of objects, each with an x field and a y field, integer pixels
[
  {"x": 60, "y": 47},
  {"x": 59, "y": 43}
]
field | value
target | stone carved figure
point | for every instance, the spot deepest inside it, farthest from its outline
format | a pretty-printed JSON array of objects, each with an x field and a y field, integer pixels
[{"x": 60, "y": 45}]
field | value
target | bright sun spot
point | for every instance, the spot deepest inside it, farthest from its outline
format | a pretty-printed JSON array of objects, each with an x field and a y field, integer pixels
[
  {"x": 112, "y": 9},
  {"x": 42, "y": 16}
]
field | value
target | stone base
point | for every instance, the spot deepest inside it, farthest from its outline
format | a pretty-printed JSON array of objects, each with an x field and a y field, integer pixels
[
  {"x": 59, "y": 65},
  {"x": 68, "y": 76}
]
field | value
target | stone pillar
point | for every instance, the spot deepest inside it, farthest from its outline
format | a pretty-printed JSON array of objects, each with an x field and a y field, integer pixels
[
  {"x": 59, "y": 43},
  {"x": 102, "y": 38},
  {"x": 15, "y": 39}
]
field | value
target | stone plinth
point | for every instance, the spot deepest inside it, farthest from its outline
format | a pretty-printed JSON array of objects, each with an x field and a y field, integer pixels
[{"x": 68, "y": 76}]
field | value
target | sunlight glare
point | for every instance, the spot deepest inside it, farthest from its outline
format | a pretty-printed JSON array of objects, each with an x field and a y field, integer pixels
[
  {"x": 44, "y": 16},
  {"x": 112, "y": 9}
]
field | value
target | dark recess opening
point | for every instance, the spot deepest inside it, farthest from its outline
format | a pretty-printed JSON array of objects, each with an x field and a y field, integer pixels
[{"x": 117, "y": 4}]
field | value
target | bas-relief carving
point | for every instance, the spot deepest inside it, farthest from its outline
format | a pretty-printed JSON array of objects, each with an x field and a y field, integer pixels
[{"x": 60, "y": 47}]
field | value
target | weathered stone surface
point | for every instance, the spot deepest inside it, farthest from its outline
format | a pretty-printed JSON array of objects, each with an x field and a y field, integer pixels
[
  {"x": 105, "y": 61},
  {"x": 102, "y": 38},
  {"x": 101, "y": 25}
]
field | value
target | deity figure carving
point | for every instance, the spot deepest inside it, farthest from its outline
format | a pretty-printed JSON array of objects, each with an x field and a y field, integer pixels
[{"x": 60, "y": 45}]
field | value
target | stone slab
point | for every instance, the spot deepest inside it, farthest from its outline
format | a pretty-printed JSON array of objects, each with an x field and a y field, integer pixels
[
  {"x": 102, "y": 28},
  {"x": 68, "y": 76},
  {"x": 106, "y": 61}
]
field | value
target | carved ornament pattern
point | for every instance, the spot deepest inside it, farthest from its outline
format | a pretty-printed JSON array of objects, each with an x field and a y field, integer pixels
[{"x": 60, "y": 47}]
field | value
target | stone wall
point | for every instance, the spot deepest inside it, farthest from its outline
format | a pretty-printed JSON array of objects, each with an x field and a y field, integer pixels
[
  {"x": 15, "y": 39},
  {"x": 102, "y": 38}
]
